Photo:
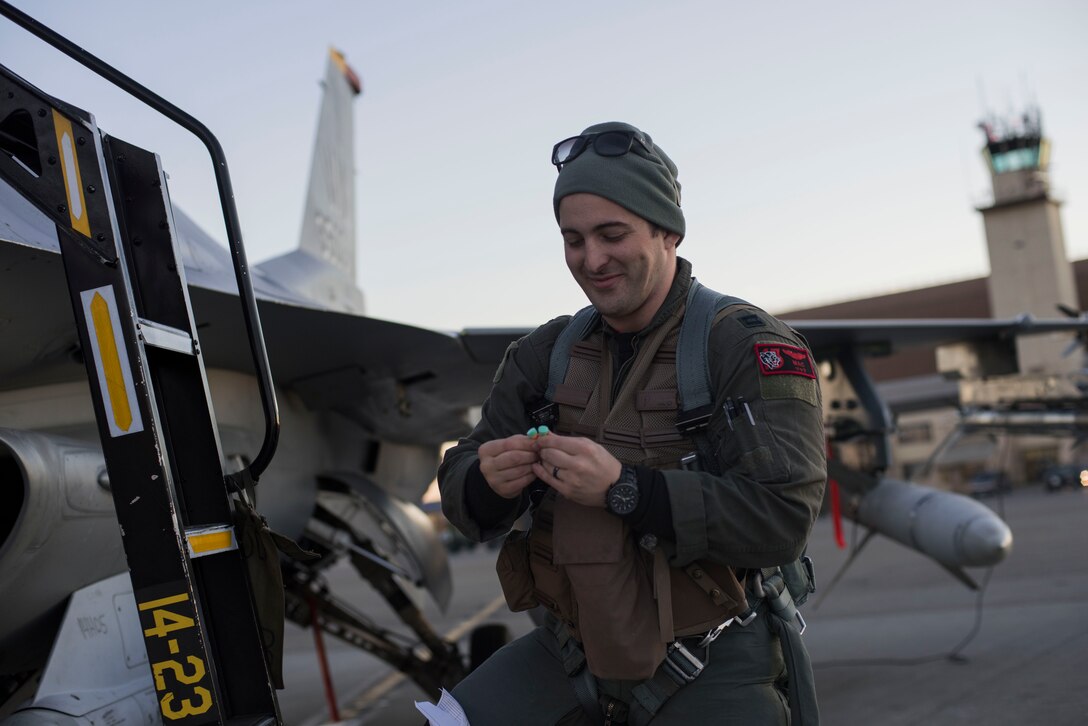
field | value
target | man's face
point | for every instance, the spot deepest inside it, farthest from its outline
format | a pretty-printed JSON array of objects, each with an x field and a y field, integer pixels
[{"x": 623, "y": 269}]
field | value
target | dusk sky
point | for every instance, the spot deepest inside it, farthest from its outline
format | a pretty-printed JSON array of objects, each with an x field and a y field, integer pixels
[{"x": 827, "y": 151}]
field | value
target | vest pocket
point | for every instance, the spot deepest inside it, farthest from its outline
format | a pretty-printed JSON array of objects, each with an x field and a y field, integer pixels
[
  {"x": 512, "y": 567},
  {"x": 584, "y": 535}
]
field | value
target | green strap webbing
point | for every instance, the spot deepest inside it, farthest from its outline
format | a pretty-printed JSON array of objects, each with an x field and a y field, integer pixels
[
  {"x": 692, "y": 364},
  {"x": 579, "y": 326},
  {"x": 574, "y": 663},
  {"x": 649, "y": 696},
  {"x": 693, "y": 369},
  {"x": 803, "y": 708},
  {"x": 783, "y": 620}
]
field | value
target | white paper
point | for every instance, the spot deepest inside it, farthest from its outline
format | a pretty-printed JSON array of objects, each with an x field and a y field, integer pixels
[{"x": 448, "y": 712}]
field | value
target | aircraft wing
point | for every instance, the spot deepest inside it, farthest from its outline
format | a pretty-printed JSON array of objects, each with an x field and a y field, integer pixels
[
  {"x": 405, "y": 383},
  {"x": 882, "y": 336}
]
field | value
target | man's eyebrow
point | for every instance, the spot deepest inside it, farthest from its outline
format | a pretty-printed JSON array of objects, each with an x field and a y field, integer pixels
[{"x": 598, "y": 228}]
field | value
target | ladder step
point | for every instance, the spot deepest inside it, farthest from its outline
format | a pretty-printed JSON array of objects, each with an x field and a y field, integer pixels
[
  {"x": 165, "y": 337},
  {"x": 210, "y": 540}
]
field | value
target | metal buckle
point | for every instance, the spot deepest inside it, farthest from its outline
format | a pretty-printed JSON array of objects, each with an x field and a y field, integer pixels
[
  {"x": 688, "y": 461},
  {"x": 683, "y": 668},
  {"x": 712, "y": 635},
  {"x": 744, "y": 620},
  {"x": 547, "y": 414},
  {"x": 690, "y": 421}
]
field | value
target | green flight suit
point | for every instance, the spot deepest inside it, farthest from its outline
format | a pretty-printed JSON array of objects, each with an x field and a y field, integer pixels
[{"x": 756, "y": 514}]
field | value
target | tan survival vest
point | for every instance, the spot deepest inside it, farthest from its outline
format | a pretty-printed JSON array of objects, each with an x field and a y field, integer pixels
[{"x": 623, "y": 602}]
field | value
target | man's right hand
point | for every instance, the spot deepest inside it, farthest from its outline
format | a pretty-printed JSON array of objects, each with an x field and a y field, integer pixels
[{"x": 507, "y": 464}]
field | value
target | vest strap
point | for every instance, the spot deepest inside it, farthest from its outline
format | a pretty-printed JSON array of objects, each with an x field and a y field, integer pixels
[
  {"x": 681, "y": 666},
  {"x": 804, "y": 710},
  {"x": 692, "y": 364},
  {"x": 579, "y": 326},
  {"x": 574, "y": 663},
  {"x": 693, "y": 367}
]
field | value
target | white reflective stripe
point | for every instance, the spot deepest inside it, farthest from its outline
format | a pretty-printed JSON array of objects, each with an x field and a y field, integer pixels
[
  {"x": 71, "y": 175},
  {"x": 165, "y": 337},
  {"x": 73, "y": 182}
]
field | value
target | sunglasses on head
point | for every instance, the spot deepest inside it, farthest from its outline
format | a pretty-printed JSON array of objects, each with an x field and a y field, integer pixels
[{"x": 605, "y": 143}]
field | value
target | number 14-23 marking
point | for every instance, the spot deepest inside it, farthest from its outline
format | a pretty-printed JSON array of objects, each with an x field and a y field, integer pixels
[{"x": 165, "y": 622}]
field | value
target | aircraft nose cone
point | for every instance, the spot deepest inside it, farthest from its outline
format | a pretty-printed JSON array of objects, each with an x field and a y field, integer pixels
[{"x": 985, "y": 541}]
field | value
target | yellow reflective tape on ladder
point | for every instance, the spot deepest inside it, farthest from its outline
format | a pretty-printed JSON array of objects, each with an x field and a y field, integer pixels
[
  {"x": 209, "y": 540},
  {"x": 111, "y": 361},
  {"x": 73, "y": 182}
]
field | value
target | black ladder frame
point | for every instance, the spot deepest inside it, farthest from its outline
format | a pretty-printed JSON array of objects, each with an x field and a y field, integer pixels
[{"x": 114, "y": 223}]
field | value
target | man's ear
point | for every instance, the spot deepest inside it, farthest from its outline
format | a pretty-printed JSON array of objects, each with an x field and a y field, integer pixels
[{"x": 672, "y": 239}]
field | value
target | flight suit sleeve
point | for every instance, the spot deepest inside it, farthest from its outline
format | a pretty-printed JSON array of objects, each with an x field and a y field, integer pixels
[
  {"x": 767, "y": 436},
  {"x": 519, "y": 384}
]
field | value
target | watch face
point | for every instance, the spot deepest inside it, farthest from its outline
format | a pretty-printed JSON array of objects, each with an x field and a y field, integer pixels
[{"x": 623, "y": 498}]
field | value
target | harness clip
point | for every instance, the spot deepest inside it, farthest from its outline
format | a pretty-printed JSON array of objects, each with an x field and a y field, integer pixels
[
  {"x": 681, "y": 665},
  {"x": 712, "y": 635},
  {"x": 781, "y": 602}
]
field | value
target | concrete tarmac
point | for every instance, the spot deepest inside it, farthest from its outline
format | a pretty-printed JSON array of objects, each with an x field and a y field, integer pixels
[{"x": 897, "y": 642}]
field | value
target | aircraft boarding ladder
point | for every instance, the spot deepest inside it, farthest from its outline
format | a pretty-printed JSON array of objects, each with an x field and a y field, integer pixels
[{"x": 114, "y": 223}]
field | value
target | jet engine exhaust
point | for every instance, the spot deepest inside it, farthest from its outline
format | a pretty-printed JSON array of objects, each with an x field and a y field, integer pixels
[
  {"x": 953, "y": 529},
  {"x": 57, "y": 519}
]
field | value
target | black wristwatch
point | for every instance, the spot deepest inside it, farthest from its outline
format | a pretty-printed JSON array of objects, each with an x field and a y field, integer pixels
[{"x": 622, "y": 497}]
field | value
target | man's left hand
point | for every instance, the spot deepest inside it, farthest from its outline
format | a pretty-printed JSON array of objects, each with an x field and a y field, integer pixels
[{"x": 578, "y": 468}]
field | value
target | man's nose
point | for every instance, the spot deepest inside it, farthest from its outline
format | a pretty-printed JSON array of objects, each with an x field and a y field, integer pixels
[{"x": 596, "y": 256}]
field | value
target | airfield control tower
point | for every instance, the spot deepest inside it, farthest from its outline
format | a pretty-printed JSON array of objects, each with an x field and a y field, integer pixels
[{"x": 1030, "y": 272}]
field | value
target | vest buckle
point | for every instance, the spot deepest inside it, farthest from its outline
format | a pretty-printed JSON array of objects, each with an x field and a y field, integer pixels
[
  {"x": 546, "y": 414},
  {"x": 688, "y": 422},
  {"x": 681, "y": 665}
]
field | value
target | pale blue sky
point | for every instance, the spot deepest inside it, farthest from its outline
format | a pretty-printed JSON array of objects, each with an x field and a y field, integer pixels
[{"x": 827, "y": 150}]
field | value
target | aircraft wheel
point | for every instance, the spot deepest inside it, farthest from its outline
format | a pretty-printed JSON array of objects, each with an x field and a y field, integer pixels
[{"x": 485, "y": 640}]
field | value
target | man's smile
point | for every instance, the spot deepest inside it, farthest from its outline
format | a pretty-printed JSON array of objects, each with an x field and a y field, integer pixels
[{"x": 604, "y": 282}]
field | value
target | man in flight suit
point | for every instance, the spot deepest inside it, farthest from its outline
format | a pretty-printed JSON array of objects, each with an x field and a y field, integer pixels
[{"x": 631, "y": 548}]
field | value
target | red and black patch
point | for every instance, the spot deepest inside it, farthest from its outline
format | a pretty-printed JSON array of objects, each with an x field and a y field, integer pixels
[{"x": 779, "y": 359}]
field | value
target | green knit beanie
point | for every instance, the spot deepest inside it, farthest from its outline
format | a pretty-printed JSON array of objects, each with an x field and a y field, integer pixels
[{"x": 640, "y": 181}]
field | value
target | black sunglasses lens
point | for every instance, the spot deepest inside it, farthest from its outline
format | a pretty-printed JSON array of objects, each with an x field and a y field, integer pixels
[
  {"x": 613, "y": 143},
  {"x": 567, "y": 149}
]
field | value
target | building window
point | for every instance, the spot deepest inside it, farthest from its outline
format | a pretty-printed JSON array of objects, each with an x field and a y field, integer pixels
[{"x": 920, "y": 432}]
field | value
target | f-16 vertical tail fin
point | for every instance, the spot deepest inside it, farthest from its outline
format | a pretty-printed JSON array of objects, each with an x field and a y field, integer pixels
[{"x": 323, "y": 267}]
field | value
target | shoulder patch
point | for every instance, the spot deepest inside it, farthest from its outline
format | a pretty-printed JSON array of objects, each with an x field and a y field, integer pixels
[
  {"x": 781, "y": 359},
  {"x": 751, "y": 320}
]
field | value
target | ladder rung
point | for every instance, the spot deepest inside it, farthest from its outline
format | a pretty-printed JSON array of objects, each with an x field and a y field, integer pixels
[
  {"x": 210, "y": 540},
  {"x": 165, "y": 337}
]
